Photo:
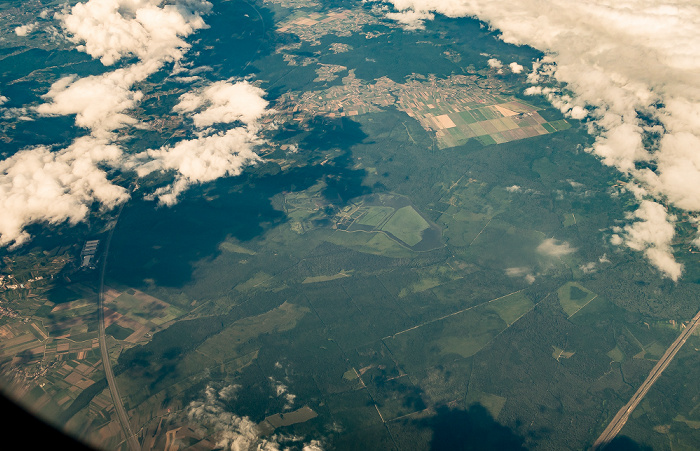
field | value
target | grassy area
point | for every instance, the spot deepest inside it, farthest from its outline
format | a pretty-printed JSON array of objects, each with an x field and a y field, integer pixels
[
  {"x": 407, "y": 225},
  {"x": 573, "y": 297},
  {"x": 569, "y": 219},
  {"x": 375, "y": 216},
  {"x": 317, "y": 279},
  {"x": 616, "y": 354},
  {"x": 230, "y": 246},
  {"x": 231, "y": 343},
  {"x": 431, "y": 277},
  {"x": 559, "y": 353},
  {"x": 510, "y": 308},
  {"x": 259, "y": 279},
  {"x": 492, "y": 403},
  {"x": 118, "y": 332},
  {"x": 371, "y": 243}
]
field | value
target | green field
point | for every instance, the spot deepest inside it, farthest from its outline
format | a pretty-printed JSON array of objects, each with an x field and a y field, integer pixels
[
  {"x": 144, "y": 309},
  {"x": 461, "y": 334},
  {"x": 234, "y": 341},
  {"x": 569, "y": 219},
  {"x": 492, "y": 403},
  {"x": 118, "y": 332},
  {"x": 510, "y": 308},
  {"x": 407, "y": 225},
  {"x": 317, "y": 279},
  {"x": 375, "y": 216},
  {"x": 573, "y": 297},
  {"x": 370, "y": 243}
]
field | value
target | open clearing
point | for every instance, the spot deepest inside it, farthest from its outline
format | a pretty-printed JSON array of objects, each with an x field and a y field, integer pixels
[
  {"x": 573, "y": 297},
  {"x": 407, "y": 225}
]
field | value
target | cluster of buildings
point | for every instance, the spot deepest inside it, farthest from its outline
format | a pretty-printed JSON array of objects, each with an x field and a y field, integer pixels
[{"x": 87, "y": 255}]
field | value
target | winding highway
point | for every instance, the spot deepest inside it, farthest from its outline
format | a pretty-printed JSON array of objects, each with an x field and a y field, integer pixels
[
  {"x": 621, "y": 418},
  {"x": 109, "y": 374}
]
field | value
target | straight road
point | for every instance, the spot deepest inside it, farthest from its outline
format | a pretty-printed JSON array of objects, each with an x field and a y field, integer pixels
[
  {"x": 621, "y": 418},
  {"x": 109, "y": 374}
]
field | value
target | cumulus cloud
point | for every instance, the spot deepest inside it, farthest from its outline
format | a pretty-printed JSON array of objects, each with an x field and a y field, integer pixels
[
  {"x": 410, "y": 19},
  {"x": 147, "y": 29},
  {"x": 495, "y": 63},
  {"x": 110, "y": 30},
  {"x": 24, "y": 30},
  {"x": 521, "y": 271},
  {"x": 211, "y": 154},
  {"x": 652, "y": 233},
  {"x": 515, "y": 67},
  {"x": 588, "y": 268},
  {"x": 38, "y": 184},
  {"x": 42, "y": 184},
  {"x": 198, "y": 160},
  {"x": 229, "y": 392},
  {"x": 235, "y": 432},
  {"x": 555, "y": 248},
  {"x": 617, "y": 59},
  {"x": 99, "y": 102},
  {"x": 224, "y": 102},
  {"x": 283, "y": 390}
]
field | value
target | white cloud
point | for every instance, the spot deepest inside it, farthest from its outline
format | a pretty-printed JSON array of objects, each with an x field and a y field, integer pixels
[
  {"x": 233, "y": 432},
  {"x": 110, "y": 30},
  {"x": 24, "y": 30},
  {"x": 99, "y": 102},
  {"x": 210, "y": 155},
  {"x": 588, "y": 268},
  {"x": 229, "y": 392},
  {"x": 515, "y": 67},
  {"x": 224, "y": 102},
  {"x": 555, "y": 248},
  {"x": 54, "y": 186},
  {"x": 198, "y": 160},
  {"x": 113, "y": 29},
  {"x": 495, "y": 63},
  {"x": 617, "y": 58},
  {"x": 411, "y": 20},
  {"x": 237, "y": 433},
  {"x": 652, "y": 234},
  {"x": 513, "y": 189},
  {"x": 41, "y": 185},
  {"x": 519, "y": 271}
]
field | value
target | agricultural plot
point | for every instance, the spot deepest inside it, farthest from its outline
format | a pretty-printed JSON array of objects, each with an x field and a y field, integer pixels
[
  {"x": 19, "y": 338},
  {"x": 489, "y": 120},
  {"x": 277, "y": 420},
  {"x": 143, "y": 308},
  {"x": 456, "y": 109},
  {"x": 310, "y": 26},
  {"x": 133, "y": 315}
]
